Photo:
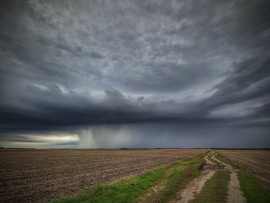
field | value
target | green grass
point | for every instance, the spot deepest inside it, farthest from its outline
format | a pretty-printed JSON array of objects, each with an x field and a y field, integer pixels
[
  {"x": 215, "y": 189},
  {"x": 220, "y": 157},
  {"x": 253, "y": 192},
  {"x": 130, "y": 189},
  {"x": 214, "y": 161},
  {"x": 185, "y": 171}
]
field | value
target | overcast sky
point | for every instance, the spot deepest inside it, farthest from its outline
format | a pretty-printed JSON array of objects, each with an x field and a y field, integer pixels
[{"x": 172, "y": 73}]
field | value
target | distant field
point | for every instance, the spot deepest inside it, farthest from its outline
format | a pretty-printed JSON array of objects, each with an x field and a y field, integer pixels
[
  {"x": 39, "y": 175},
  {"x": 256, "y": 162}
]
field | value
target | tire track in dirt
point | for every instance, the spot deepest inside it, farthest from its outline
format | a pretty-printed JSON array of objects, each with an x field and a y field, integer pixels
[
  {"x": 235, "y": 195},
  {"x": 195, "y": 186},
  {"x": 207, "y": 161}
]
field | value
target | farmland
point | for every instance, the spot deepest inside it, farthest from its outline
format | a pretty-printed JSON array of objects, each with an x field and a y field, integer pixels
[
  {"x": 255, "y": 162},
  {"x": 183, "y": 182},
  {"x": 41, "y": 175}
]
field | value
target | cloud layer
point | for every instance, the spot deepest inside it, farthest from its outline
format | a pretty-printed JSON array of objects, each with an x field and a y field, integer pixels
[{"x": 77, "y": 63}]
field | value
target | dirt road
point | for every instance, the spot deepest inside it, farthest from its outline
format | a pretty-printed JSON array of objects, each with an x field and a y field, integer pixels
[
  {"x": 195, "y": 186},
  {"x": 207, "y": 161},
  {"x": 235, "y": 194}
]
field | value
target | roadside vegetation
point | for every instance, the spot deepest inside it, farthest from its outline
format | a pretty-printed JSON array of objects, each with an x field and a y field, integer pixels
[
  {"x": 125, "y": 190},
  {"x": 215, "y": 189},
  {"x": 184, "y": 171},
  {"x": 166, "y": 182},
  {"x": 251, "y": 189}
]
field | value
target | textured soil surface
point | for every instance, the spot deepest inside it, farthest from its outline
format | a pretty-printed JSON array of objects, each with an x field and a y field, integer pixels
[{"x": 41, "y": 175}]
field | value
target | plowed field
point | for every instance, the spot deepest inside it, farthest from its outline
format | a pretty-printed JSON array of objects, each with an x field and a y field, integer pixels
[
  {"x": 256, "y": 162},
  {"x": 41, "y": 175}
]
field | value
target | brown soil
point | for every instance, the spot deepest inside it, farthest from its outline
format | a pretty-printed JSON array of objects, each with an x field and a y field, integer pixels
[{"x": 41, "y": 175}]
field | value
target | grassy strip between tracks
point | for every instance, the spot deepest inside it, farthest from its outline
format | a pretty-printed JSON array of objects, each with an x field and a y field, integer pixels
[
  {"x": 130, "y": 189},
  {"x": 214, "y": 161},
  {"x": 215, "y": 189},
  {"x": 251, "y": 188},
  {"x": 220, "y": 157}
]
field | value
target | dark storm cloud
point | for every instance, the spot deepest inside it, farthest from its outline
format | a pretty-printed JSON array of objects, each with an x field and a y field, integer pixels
[
  {"x": 248, "y": 80},
  {"x": 76, "y": 63}
]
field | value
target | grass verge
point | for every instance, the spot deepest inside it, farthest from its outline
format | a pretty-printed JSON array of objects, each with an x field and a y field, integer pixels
[
  {"x": 122, "y": 191},
  {"x": 253, "y": 192},
  {"x": 215, "y": 189},
  {"x": 130, "y": 189},
  {"x": 185, "y": 171}
]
